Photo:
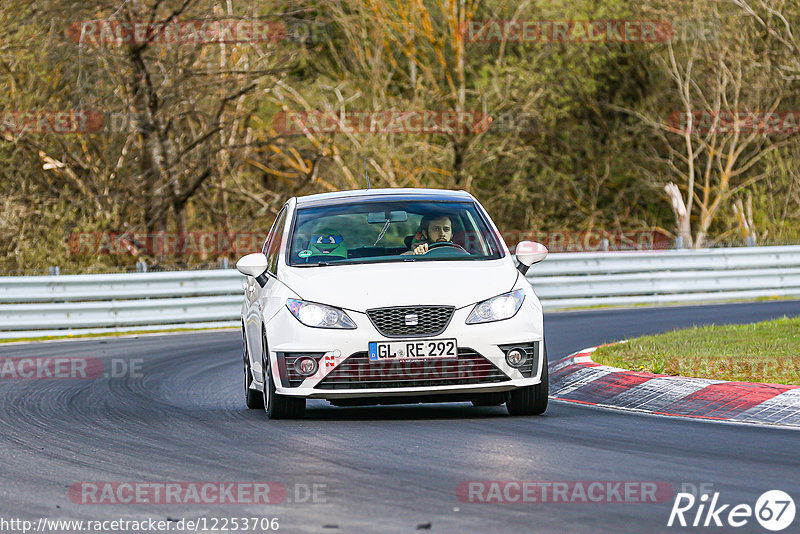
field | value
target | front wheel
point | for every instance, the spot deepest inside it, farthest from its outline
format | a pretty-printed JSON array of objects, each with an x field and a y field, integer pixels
[
  {"x": 278, "y": 406},
  {"x": 530, "y": 400}
]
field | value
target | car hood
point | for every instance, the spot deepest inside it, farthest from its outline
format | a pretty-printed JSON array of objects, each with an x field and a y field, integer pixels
[{"x": 364, "y": 286}]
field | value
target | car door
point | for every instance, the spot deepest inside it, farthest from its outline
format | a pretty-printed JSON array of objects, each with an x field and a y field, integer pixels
[{"x": 257, "y": 296}]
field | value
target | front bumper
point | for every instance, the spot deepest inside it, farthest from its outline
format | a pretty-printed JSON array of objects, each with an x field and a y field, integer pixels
[{"x": 345, "y": 371}]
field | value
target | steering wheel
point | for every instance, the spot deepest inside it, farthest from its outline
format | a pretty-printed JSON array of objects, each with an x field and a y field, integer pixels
[{"x": 440, "y": 244}]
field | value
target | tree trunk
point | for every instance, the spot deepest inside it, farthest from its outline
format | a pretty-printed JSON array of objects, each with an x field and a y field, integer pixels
[{"x": 682, "y": 216}]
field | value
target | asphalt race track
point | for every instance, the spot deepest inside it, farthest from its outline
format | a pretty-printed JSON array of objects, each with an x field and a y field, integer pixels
[{"x": 384, "y": 469}]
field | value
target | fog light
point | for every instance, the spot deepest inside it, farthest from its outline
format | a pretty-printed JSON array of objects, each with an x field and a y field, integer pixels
[
  {"x": 516, "y": 357},
  {"x": 306, "y": 366}
]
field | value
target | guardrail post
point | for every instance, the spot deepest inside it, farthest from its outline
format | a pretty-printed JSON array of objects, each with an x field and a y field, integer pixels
[
  {"x": 223, "y": 263},
  {"x": 141, "y": 266},
  {"x": 55, "y": 270}
]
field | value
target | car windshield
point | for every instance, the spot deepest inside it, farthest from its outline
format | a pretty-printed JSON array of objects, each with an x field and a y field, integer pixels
[{"x": 387, "y": 231}]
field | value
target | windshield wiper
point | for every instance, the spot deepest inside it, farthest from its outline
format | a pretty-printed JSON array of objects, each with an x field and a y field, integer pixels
[{"x": 383, "y": 232}]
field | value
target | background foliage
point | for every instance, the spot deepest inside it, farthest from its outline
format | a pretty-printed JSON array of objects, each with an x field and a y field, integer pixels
[{"x": 580, "y": 137}]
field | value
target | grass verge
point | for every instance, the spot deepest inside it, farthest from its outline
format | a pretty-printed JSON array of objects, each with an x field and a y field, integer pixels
[{"x": 768, "y": 351}]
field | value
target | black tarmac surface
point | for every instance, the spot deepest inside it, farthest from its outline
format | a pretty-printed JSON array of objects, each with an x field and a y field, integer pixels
[{"x": 383, "y": 469}]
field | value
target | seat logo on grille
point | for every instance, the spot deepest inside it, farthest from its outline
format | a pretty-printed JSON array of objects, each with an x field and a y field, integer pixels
[{"x": 412, "y": 319}]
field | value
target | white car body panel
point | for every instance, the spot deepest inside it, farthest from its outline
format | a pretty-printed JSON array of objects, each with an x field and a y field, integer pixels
[
  {"x": 356, "y": 288},
  {"x": 363, "y": 286}
]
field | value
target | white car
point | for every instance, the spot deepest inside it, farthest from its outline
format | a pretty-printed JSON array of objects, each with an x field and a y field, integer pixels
[{"x": 391, "y": 296}]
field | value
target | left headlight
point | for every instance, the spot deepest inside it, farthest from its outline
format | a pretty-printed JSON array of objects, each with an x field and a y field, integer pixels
[
  {"x": 504, "y": 306},
  {"x": 318, "y": 315}
]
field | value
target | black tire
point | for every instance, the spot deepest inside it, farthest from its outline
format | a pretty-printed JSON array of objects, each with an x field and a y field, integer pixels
[
  {"x": 530, "y": 400},
  {"x": 278, "y": 406},
  {"x": 489, "y": 399},
  {"x": 252, "y": 397}
]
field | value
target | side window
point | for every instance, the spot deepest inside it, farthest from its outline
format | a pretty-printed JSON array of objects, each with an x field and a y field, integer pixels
[
  {"x": 269, "y": 233},
  {"x": 273, "y": 244}
]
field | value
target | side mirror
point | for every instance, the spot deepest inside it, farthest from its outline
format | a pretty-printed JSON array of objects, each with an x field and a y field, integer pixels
[
  {"x": 254, "y": 265},
  {"x": 528, "y": 253}
]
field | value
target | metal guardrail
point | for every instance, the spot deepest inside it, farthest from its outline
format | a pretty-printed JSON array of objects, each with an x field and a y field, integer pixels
[
  {"x": 38, "y": 306},
  {"x": 627, "y": 278}
]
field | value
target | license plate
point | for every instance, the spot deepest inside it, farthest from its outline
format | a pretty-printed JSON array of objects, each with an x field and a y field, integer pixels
[{"x": 416, "y": 349}]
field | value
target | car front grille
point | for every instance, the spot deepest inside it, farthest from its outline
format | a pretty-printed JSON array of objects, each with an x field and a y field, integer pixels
[
  {"x": 357, "y": 372},
  {"x": 399, "y": 321}
]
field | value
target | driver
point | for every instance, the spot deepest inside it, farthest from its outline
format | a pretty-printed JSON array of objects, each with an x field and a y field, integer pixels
[{"x": 434, "y": 228}]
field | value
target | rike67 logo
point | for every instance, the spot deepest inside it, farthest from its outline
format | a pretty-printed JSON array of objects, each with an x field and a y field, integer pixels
[{"x": 774, "y": 510}]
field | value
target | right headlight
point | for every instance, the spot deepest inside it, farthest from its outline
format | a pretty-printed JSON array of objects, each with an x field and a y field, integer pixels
[
  {"x": 319, "y": 316},
  {"x": 501, "y": 307}
]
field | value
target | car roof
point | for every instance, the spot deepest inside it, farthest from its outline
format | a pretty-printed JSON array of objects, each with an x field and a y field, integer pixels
[{"x": 337, "y": 197}]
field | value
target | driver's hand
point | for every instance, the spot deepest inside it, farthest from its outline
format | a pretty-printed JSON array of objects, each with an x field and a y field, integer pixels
[{"x": 421, "y": 248}]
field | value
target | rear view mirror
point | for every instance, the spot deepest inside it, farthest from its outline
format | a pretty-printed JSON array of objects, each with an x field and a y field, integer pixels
[
  {"x": 528, "y": 253},
  {"x": 380, "y": 217}
]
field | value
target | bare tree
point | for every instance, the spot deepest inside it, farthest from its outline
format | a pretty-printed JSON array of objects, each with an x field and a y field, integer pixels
[
  {"x": 176, "y": 115},
  {"x": 721, "y": 128}
]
